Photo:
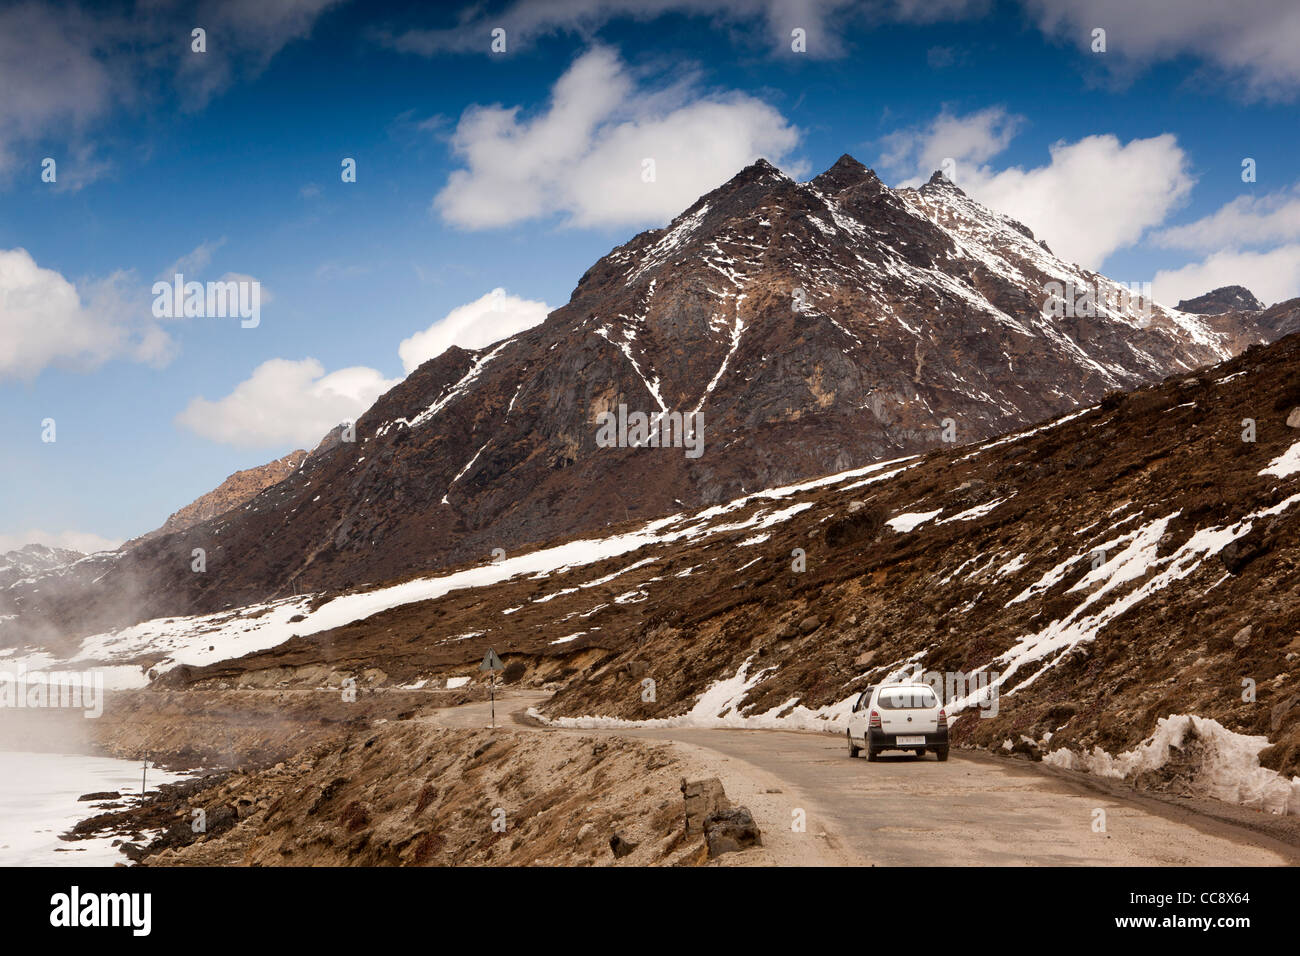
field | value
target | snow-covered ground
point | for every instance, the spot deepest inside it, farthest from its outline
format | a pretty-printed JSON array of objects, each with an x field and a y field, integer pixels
[
  {"x": 38, "y": 801},
  {"x": 206, "y": 639}
]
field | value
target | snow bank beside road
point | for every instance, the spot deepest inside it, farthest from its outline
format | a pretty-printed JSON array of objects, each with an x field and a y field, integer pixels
[
  {"x": 719, "y": 708},
  {"x": 1212, "y": 760}
]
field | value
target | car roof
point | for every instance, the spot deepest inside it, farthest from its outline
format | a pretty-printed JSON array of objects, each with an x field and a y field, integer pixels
[{"x": 906, "y": 686}]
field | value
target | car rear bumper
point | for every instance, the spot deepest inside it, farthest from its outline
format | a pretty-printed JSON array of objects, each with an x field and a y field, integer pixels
[{"x": 934, "y": 740}]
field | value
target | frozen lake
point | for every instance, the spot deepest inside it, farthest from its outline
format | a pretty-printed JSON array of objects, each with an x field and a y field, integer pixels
[{"x": 38, "y": 801}]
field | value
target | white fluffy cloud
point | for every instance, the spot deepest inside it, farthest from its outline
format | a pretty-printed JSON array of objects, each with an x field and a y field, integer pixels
[
  {"x": 1255, "y": 42},
  {"x": 46, "y": 321},
  {"x": 1246, "y": 221},
  {"x": 583, "y": 157},
  {"x": 85, "y": 541},
  {"x": 967, "y": 140},
  {"x": 1252, "y": 241},
  {"x": 285, "y": 402},
  {"x": 487, "y": 319},
  {"x": 1273, "y": 275},
  {"x": 1095, "y": 196}
]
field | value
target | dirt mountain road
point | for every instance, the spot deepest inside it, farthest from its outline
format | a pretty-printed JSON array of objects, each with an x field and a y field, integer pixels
[{"x": 974, "y": 810}]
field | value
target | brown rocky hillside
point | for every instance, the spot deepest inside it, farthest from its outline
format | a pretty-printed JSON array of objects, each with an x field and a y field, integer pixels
[
  {"x": 1119, "y": 565},
  {"x": 233, "y": 492}
]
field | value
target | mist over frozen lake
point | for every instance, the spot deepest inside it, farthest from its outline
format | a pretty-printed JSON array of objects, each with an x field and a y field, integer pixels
[{"x": 38, "y": 801}]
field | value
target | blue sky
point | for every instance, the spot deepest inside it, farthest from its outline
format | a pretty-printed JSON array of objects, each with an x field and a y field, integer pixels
[{"x": 479, "y": 171}]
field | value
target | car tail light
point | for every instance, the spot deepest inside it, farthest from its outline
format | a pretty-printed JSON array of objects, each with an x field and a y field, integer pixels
[
  {"x": 875, "y": 720},
  {"x": 943, "y": 718}
]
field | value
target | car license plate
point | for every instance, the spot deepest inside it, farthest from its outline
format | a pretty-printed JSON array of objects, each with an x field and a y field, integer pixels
[{"x": 907, "y": 741}]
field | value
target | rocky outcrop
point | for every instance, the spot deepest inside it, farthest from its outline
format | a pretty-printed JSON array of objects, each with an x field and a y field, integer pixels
[
  {"x": 233, "y": 492},
  {"x": 1228, "y": 298}
]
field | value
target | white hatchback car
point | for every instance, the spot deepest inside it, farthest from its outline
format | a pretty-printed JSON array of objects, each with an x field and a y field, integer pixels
[{"x": 898, "y": 717}]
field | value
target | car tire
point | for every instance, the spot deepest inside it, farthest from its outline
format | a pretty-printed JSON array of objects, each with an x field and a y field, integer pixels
[
  {"x": 854, "y": 749},
  {"x": 942, "y": 754},
  {"x": 872, "y": 753}
]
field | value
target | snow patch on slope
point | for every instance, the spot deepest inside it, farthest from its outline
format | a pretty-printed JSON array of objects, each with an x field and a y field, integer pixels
[{"x": 1286, "y": 464}]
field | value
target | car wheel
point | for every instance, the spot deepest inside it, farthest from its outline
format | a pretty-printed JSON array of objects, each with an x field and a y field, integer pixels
[
  {"x": 942, "y": 754},
  {"x": 854, "y": 749},
  {"x": 872, "y": 753}
]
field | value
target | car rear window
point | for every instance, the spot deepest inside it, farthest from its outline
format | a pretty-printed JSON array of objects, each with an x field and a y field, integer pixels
[{"x": 907, "y": 698}]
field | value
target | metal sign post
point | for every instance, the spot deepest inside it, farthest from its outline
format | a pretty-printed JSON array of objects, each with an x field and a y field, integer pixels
[{"x": 492, "y": 664}]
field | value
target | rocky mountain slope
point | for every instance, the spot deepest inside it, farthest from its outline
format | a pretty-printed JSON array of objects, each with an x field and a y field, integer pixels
[
  {"x": 1107, "y": 571},
  {"x": 233, "y": 492},
  {"x": 33, "y": 560},
  {"x": 815, "y": 326},
  {"x": 1234, "y": 304},
  {"x": 1280, "y": 319},
  {"x": 1121, "y": 576}
]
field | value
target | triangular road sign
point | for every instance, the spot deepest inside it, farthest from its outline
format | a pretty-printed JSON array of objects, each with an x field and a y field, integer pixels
[{"x": 491, "y": 662}]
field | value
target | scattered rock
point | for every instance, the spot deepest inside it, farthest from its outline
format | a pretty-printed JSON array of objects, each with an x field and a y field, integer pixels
[
  {"x": 810, "y": 624},
  {"x": 1280, "y": 710},
  {"x": 636, "y": 669},
  {"x": 620, "y": 846},
  {"x": 514, "y": 671},
  {"x": 1242, "y": 637},
  {"x": 1028, "y": 748},
  {"x": 133, "y": 851},
  {"x": 702, "y": 798},
  {"x": 860, "y": 526},
  {"x": 1293, "y": 420},
  {"x": 1061, "y": 712},
  {"x": 728, "y": 831},
  {"x": 1180, "y": 771}
]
